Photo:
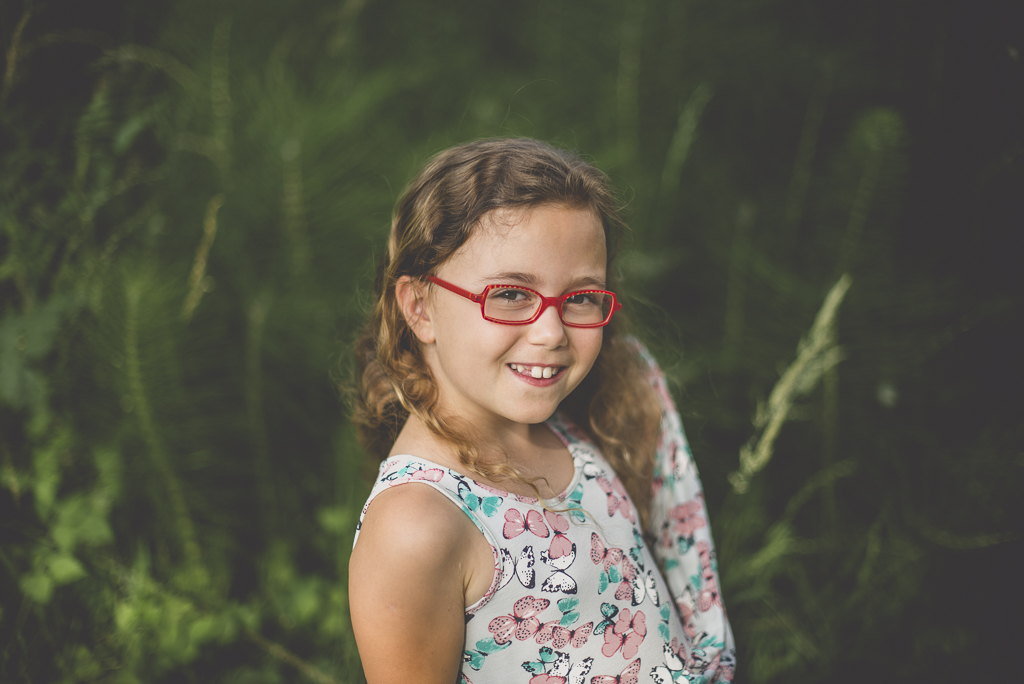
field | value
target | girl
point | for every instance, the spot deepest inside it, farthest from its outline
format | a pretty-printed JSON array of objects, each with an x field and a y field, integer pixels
[{"x": 532, "y": 449}]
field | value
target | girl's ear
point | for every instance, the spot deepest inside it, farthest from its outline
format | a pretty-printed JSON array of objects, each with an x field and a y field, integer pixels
[{"x": 412, "y": 301}]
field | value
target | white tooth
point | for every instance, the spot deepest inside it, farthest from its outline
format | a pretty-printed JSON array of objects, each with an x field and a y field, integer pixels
[
  {"x": 537, "y": 372},
  {"x": 547, "y": 371},
  {"x": 515, "y": 367}
]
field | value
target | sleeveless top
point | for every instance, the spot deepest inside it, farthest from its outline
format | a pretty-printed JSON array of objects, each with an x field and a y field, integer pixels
[{"x": 577, "y": 594}]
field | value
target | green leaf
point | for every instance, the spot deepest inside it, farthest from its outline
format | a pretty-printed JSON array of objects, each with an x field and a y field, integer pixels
[
  {"x": 125, "y": 615},
  {"x": 128, "y": 132},
  {"x": 305, "y": 601},
  {"x": 85, "y": 666},
  {"x": 108, "y": 467},
  {"x": 335, "y": 519},
  {"x": 81, "y": 520},
  {"x": 42, "y": 325},
  {"x": 10, "y": 360},
  {"x": 46, "y": 460},
  {"x": 65, "y": 568},
  {"x": 205, "y": 628},
  {"x": 37, "y": 586}
]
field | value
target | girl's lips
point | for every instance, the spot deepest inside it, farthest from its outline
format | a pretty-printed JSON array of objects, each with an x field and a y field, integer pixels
[{"x": 536, "y": 374}]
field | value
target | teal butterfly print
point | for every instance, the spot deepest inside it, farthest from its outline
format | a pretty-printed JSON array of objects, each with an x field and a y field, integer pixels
[
  {"x": 546, "y": 655},
  {"x": 488, "y": 505},
  {"x": 484, "y": 647},
  {"x": 609, "y": 611}
]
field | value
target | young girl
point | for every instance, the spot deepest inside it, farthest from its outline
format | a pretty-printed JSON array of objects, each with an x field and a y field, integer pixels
[{"x": 531, "y": 449}]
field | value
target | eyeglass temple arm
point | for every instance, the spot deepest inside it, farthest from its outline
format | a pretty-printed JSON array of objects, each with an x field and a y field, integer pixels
[{"x": 456, "y": 289}]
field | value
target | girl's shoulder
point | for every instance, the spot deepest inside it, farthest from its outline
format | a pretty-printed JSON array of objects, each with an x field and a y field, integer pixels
[
  {"x": 405, "y": 514},
  {"x": 447, "y": 497}
]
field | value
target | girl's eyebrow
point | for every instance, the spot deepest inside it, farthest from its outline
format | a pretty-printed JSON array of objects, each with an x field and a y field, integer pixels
[{"x": 528, "y": 279}]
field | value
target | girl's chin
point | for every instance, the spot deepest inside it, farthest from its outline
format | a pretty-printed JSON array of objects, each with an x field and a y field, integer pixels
[{"x": 533, "y": 414}]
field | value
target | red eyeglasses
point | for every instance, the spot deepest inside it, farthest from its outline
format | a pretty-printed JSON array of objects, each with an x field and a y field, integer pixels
[{"x": 518, "y": 305}]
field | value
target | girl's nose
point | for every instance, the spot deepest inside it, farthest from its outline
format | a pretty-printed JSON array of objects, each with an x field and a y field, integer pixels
[{"x": 548, "y": 330}]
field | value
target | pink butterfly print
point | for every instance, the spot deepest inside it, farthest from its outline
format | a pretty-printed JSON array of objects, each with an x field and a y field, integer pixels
[
  {"x": 492, "y": 490},
  {"x": 624, "y": 592},
  {"x": 628, "y": 676},
  {"x": 544, "y": 678},
  {"x": 560, "y": 544},
  {"x": 577, "y": 637},
  {"x": 687, "y": 605},
  {"x": 430, "y": 475},
  {"x": 560, "y": 636},
  {"x": 546, "y": 632},
  {"x": 627, "y": 634},
  {"x": 657, "y": 484},
  {"x": 708, "y": 595},
  {"x": 516, "y": 524},
  {"x": 522, "y": 498},
  {"x": 687, "y": 517},
  {"x": 557, "y": 521},
  {"x": 523, "y": 622},
  {"x": 678, "y": 649},
  {"x": 618, "y": 500},
  {"x": 599, "y": 554}
]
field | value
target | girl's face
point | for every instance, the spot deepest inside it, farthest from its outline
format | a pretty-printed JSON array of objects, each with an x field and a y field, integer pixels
[{"x": 484, "y": 370}]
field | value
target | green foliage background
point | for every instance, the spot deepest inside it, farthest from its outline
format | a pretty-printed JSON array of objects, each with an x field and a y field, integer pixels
[{"x": 192, "y": 198}]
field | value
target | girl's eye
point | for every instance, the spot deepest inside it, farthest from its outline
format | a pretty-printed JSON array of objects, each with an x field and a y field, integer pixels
[
  {"x": 510, "y": 304},
  {"x": 510, "y": 295},
  {"x": 584, "y": 299}
]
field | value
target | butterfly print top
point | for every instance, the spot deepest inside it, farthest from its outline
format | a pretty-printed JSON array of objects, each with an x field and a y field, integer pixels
[{"x": 577, "y": 596}]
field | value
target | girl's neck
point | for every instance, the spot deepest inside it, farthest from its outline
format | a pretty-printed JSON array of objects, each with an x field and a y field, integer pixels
[{"x": 535, "y": 450}]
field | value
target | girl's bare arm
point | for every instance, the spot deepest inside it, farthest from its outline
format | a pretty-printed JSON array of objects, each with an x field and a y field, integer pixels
[{"x": 407, "y": 581}]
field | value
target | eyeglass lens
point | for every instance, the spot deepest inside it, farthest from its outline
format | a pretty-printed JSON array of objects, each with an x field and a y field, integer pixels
[{"x": 513, "y": 305}]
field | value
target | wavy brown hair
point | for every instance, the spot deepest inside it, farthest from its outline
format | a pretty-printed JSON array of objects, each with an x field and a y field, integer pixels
[{"x": 436, "y": 214}]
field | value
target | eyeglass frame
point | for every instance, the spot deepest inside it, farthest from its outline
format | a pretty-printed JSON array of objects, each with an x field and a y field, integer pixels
[{"x": 556, "y": 302}]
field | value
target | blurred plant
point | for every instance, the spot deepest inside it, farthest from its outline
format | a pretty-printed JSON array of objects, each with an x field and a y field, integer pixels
[{"x": 816, "y": 354}]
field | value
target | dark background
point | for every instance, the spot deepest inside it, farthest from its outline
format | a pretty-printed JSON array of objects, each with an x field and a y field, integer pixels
[{"x": 192, "y": 198}]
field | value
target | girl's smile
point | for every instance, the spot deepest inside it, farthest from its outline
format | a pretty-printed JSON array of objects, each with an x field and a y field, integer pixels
[{"x": 538, "y": 375}]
